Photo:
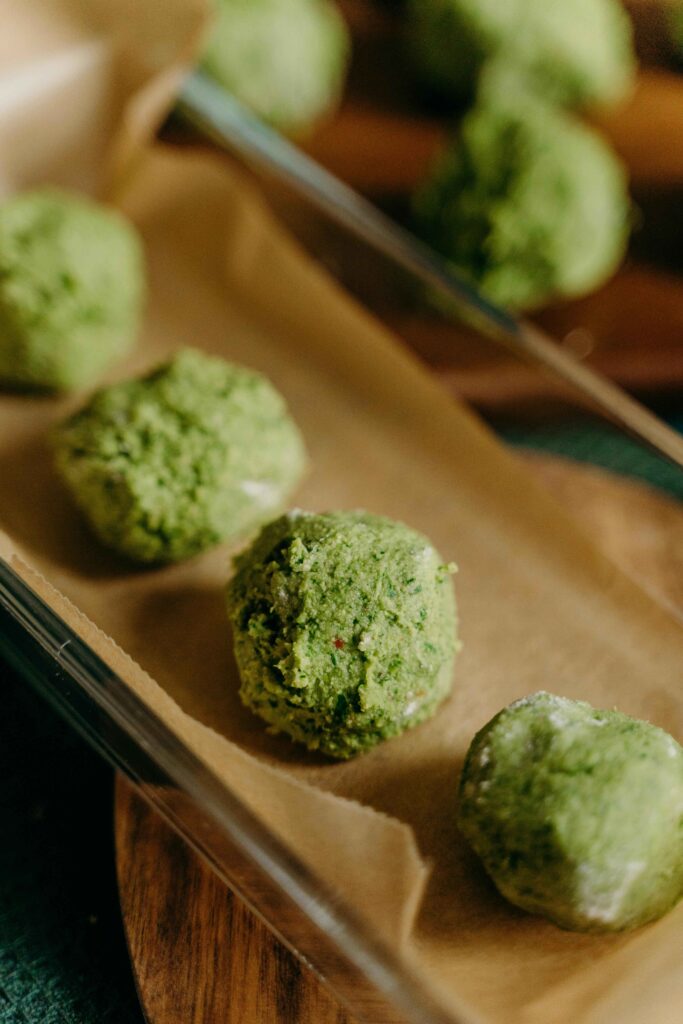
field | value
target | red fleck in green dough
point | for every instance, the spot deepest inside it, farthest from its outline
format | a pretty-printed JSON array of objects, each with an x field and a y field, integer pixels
[
  {"x": 197, "y": 452},
  {"x": 344, "y": 629},
  {"x": 577, "y": 813}
]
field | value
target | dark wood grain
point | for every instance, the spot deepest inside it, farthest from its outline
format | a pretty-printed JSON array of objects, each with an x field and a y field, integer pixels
[{"x": 199, "y": 956}]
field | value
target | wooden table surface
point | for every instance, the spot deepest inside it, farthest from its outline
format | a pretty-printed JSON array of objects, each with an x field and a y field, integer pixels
[{"x": 199, "y": 956}]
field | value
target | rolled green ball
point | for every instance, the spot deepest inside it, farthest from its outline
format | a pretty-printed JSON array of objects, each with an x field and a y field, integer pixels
[
  {"x": 198, "y": 452},
  {"x": 528, "y": 204},
  {"x": 573, "y": 52},
  {"x": 577, "y": 814},
  {"x": 344, "y": 629},
  {"x": 71, "y": 290},
  {"x": 284, "y": 59}
]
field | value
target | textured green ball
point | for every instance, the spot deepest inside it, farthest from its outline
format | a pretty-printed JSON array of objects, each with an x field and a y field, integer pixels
[
  {"x": 284, "y": 59},
  {"x": 573, "y": 52},
  {"x": 528, "y": 204},
  {"x": 344, "y": 629},
  {"x": 71, "y": 289},
  {"x": 577, "y": 814},
  {"x": 198, "y": 452}
]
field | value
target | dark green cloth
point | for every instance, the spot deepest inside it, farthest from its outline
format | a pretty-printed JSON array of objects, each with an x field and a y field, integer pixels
[
  {"x": 593, "y": 442},
  {"x": 62, "y": 952}
]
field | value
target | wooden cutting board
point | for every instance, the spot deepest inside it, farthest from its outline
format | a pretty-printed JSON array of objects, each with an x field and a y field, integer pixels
[{"x": 199, "y": 956}]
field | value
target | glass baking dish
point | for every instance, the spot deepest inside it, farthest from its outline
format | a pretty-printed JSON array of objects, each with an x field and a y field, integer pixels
[
  {"x": 311, "y": 921},
  {"x": 371, "y": 979}
]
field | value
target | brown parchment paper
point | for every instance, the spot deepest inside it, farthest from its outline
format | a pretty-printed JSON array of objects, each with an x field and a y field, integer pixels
[
  {"x": 84, "y": 82},
  {"x": 540, "y": 607}
]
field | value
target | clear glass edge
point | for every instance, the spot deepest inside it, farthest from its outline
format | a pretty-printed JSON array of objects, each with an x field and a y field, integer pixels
[
  {"x": 361, "y": 970},
  {"x": 313, "y": 922},
  {"x": 217, "y": 116}
]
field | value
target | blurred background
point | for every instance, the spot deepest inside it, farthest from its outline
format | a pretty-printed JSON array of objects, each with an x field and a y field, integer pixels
[{"x": 537, "y": 145}]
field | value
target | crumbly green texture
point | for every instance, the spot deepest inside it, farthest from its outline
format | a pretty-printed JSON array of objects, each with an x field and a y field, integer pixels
[
  {"x": 71, "y": 289},
  {"x": 197, "y": 452},
  {"x": 528, "y": 204},
  {"x": 284, "y": 59},
  {"x": 577, "y": 813},
  {"x": 344, "y": 629},
  {"x": 573, "y": 52}
]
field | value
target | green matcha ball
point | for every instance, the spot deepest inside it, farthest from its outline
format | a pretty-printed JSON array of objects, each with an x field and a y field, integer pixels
[
  {"x": 71, "y": 288},
  {"x": 198, "y": 452},
  {"x": 344, "y": 629},
  {"x": 284, "y": 59},
  {"x": 576, "y": 813},
  {"x": 573, "y": 52},
  {"x": 528, "y": 204}
]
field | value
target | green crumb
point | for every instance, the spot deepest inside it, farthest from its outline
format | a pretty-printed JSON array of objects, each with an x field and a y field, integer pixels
[
  {"x": 577, "y": 814},
  {"x": 344, "y": 629},
  {"x": 71, "y": 290},
  {"x": 284, "y": 59},
  {"x": 198, "y": 452},
  {"x": 528, "y": 204},
  {"x": 573, "y": 52}
]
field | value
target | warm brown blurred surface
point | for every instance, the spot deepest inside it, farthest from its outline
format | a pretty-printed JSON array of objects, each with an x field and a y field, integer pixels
[{"x": 383, "y": 140}]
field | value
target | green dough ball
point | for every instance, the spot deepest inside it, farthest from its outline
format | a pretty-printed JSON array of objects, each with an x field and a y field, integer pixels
[
  {"x": 71, "y": 288},
  {"x": 197, "y": 452},
  {"x": 574, "y": 52},
  {"x": 344, "y": 629},
  {"x": 284, "y": 59},
  {"x": 576, "y": 813},
  {"x": 528, "y": 203}
]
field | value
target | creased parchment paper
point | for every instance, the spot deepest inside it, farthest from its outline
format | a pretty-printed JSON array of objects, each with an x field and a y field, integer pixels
[{"x": 540, "y": 608}]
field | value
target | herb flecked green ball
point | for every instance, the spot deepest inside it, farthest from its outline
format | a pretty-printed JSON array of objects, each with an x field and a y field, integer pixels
[
  {"x": 72, "y": 283},
  {"x": 573, "y": 52},
  {"x": 577, "y": 813},
  {"x": 198, "y": 452},
  {"x": 284, "y": 59},
  {"x": 344, "y": 629},
  {"x": 528, "y": 204}
]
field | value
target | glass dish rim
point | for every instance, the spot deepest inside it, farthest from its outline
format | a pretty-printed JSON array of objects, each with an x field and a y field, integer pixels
[
  {"x": 92, "y": 697},
  {"x": 102, "y": 699}
]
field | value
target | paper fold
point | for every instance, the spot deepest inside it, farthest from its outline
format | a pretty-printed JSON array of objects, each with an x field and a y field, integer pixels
[
  {"x": 346, "y": 844},
  {"x": 83, "y": 84},
  {"x": 540, "y": 608}
]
